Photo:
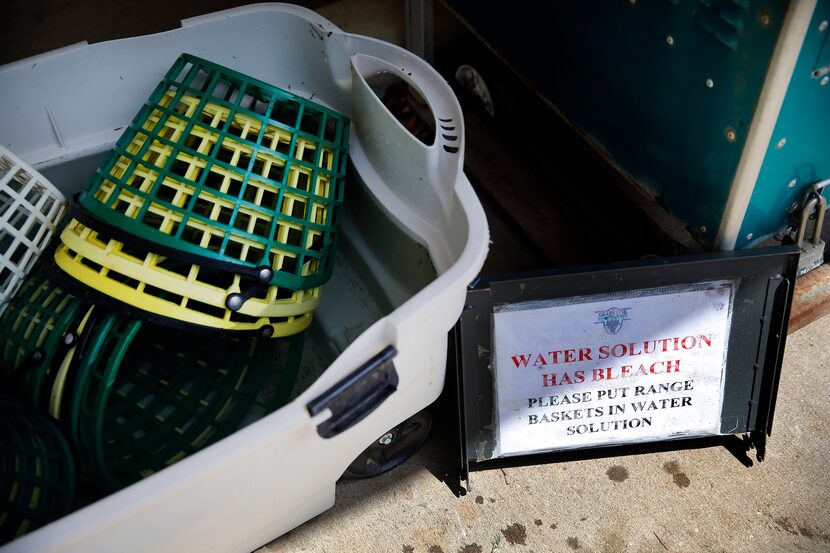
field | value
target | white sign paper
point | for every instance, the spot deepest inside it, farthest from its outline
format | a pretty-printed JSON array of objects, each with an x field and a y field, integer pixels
[{"x": 603, "y": 370}]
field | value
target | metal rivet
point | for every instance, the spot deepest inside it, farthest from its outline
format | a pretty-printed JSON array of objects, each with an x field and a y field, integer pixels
[
  {"x": 781, "y": 143},
  {"x": 710, "y": 83},
  {"x": 267, "y": 331},
  {"x": 234, "y": 302},
  {"x": 765, "y": 19},
  {"x": 822, "y": 26},
  {"x": 749, "y": 236},
  {"x": 825, "y": 80},
  {"x": 731, "y": 136},
  {"x": 703, "y": 228},
  {"x": 68, "y": 338},
  {"x": 670, "y": 40},
  {"x": 632, "y": 2},
  {"x": 265, "y": 274},
  {"x": 792, "y": 183},
  {"x": 386, "y": 439}
]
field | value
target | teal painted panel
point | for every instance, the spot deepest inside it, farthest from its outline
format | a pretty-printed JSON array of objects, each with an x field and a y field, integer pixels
[
  {"x": 666, "y": 88},
  {"x": 804, "y": 126},
  {"x": 823, "y": 64}
]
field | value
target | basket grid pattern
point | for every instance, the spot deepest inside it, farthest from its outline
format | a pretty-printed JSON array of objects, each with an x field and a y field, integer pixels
[
  {"x": 30, "y": 209},
  {"x": 230, "y": 169},
  {"x": 35, "y": 321},
  {"x": 176, "y": 398},
  {"x": 36, "y": 470},
  {"x": 218, "y": 197},
  {"x": 176, "y": 289}
]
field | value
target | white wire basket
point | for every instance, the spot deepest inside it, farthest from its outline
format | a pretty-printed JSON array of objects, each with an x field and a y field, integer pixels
[{"x": 30, "y": 210}]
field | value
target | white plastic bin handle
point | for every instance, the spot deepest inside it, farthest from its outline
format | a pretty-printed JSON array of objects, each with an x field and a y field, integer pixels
[
  {"x": 357, "y": 395},
  {"x": 424, "y": 175}
]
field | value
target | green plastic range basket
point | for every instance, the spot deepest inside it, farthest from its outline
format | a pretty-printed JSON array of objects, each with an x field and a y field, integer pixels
[
  {"x": 37, "y": 473},
  {"x": 146, "y": 398},
  {"x": 37, "y": 331},
  {"x": 231, "y": 171}
]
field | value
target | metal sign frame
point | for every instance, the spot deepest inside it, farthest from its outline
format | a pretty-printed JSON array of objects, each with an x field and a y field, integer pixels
[{"x": 763, "y": 298}]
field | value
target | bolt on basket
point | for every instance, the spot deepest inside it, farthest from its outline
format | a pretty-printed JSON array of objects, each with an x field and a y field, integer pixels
[
  {"x": 242, "y": 175},
  {"x": 37, "y": 331},
  {"x": 37, "y": 472},
  {"x": 146, "y": 398},
  {"x": 30, "y": 209},
  {"x": 173, "y": 291}
]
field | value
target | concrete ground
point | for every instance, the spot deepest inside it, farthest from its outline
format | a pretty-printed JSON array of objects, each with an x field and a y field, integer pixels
[{"x": 689, "y": 500}]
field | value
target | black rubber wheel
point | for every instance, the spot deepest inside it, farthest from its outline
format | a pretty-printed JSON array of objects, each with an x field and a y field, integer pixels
[{"x": 392, "y": 448}]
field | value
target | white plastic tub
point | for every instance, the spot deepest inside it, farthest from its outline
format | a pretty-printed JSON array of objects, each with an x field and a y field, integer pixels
[{"x": 414, "y": 236}]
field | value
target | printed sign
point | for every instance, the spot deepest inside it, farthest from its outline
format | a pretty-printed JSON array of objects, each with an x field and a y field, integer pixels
[{"x": 641, "y": 366}]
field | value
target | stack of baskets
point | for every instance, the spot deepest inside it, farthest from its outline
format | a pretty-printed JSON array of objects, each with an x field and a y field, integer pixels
[
  {"x": 37, "y": 469},
  {"x": 218, "y": 207},
  {"x": 216, "y": 213},
  {"x": 37, "y": 472}
]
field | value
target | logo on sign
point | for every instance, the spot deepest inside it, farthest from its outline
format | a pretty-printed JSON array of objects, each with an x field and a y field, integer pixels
[{"x": 612, "y": 319}]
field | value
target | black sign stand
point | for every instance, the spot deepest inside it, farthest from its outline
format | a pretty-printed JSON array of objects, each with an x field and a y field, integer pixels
[{"x": 761, "y": 308}]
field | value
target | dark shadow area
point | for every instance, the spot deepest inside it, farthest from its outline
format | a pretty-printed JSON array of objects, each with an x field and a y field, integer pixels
[
  {"x": 444, "y": 450},
  {"x": 567, "y": 198},
  {"x": 33, "y": 27}
]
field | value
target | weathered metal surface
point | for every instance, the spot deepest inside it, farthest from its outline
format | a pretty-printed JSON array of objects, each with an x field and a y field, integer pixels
[
  {"x": 812, "y": 298},
  {"x": 667, "y": 89}
]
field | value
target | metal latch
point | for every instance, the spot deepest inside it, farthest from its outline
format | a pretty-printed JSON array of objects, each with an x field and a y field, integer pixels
[
  {"x": 358, "y": 394},
  {"x": 812, "y": 250}
]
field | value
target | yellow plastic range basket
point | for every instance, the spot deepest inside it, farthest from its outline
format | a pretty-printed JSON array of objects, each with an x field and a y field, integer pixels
[
  {"x": 146, "y": 398},
  {"x": 37, "y": 333},
  {"x": 244, "y": 176},
  {"x": 37, "y": 471},
  {"x": 170, "y": 290},
  {"x": 30, "y": 209}
]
